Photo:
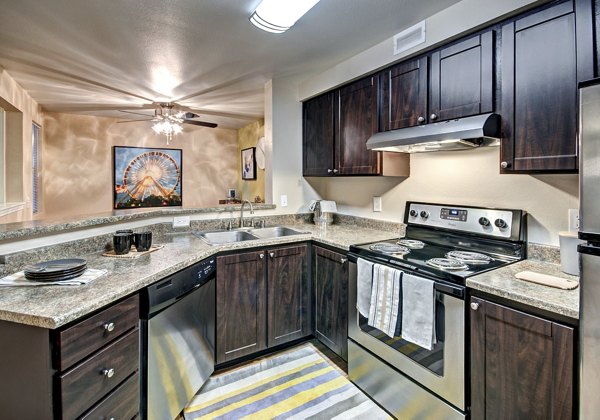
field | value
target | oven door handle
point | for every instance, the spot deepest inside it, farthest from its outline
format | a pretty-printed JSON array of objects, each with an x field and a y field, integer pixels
[{"x": 439, "y": 285}]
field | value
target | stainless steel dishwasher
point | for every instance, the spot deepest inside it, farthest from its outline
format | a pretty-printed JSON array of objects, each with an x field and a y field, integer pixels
[{"x": 178, "y": 339}]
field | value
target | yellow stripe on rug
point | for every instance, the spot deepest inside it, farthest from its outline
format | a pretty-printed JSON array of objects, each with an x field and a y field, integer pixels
[
  {"x": 299, "y": 399},
  {"x": 263, "y": 394}
]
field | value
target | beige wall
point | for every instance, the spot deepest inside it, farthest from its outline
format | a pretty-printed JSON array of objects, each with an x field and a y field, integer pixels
[
  {"x": 78, "y": 162},
  {"x": 21, "y": 111},
  {"x": 248, "y": 137}
]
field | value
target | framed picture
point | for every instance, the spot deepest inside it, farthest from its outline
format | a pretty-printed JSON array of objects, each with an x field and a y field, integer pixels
[
  {"x": 146, "y": 177},
  {"x": 249, "y": 163}
]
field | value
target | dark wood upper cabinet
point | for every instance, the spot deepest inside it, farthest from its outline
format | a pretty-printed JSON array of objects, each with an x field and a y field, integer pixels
[
  {"x": 356, "y": 122},
  {"x": 404, "y": 95},
  {"x": 330, "y": 280},
  {"x": 544, "y": 55},
  {"x": 462, "y": 79},
  {"x": 521, "y": 365},
  {"x": 336, "y": 127},
  {"x": 317, "y": 136},
  {"x": 241, "y": 305},
  {"x": 288, "y": 306}
]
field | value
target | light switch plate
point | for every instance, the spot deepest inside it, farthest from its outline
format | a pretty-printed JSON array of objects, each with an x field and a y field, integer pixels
[
  {"x": 573, "y": 219},
  {"x": 283, "y": 201},
  {"x": 377, "y": 204},
  {"x": 181, "y": 221}
]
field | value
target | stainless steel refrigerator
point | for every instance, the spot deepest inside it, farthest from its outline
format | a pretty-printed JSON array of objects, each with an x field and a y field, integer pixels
[{"x": 589, "y": 230}]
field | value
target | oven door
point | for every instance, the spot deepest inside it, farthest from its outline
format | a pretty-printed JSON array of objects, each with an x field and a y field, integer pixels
[{"x": 440, "y": 370}]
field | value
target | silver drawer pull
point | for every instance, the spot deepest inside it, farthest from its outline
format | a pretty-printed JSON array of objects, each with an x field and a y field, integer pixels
[
  {"x": 109, "y": 373},
  {"x": 261, "y": 256},
  {"x": 109, "y": 327},
  {"x": 271, "y": 254},
  {"x": 474, "y": 306},
  {"x": 343, "y": 260}
]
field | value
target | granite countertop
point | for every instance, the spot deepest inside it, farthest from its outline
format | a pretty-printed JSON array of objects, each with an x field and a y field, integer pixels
[
  {"x": 18, "y": 230},
  {"x": 502, "y": 282},
  {"x": 54, "y": 306}
]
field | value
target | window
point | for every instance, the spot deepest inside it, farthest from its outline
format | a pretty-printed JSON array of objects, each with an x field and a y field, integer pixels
[{"x": 36, "y": 151}]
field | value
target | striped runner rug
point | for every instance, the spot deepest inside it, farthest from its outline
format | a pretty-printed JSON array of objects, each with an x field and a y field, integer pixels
[{"x": 297, "y": 384}]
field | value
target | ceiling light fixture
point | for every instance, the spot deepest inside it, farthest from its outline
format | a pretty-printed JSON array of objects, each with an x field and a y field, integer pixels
[
  {"x": 278, "y": 16},
  {"x": 168, "y": 123}
]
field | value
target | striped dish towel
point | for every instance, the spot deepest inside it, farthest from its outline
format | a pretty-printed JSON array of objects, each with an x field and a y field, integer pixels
[{"x": 385, "y": 309}]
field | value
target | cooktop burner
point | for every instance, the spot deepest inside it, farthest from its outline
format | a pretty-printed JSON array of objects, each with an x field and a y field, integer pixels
[
  {"x": 389, "y": 248},
  {"x": 468, "y": 257},
  {"x": 447, "y": 264},
  {"x": 411, "y": 243}
]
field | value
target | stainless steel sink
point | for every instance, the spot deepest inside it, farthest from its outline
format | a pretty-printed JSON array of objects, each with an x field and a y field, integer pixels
[
  {"x": 218, "y": 237},
  {"x": 275, "y": 232}
]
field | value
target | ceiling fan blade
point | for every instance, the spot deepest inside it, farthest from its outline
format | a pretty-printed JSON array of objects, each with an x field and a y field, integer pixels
[
  {"x": 221, "y": 114},
  {"x": 128, "y": 121},
  {"x": 201, "y": 123},
  {"x": 136, "y": 113},
  {"x": 189, "y": 115}
]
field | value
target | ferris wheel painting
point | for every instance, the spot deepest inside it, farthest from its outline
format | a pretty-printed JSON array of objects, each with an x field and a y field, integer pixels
[{"x": 146, "y": 177}]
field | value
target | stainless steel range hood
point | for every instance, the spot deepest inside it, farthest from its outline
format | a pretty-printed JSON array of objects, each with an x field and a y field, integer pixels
[{"x": 460, "y": 134}]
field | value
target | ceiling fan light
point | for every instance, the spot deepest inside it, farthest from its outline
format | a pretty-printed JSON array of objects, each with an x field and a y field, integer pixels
[{"x": 278, "y": 16}]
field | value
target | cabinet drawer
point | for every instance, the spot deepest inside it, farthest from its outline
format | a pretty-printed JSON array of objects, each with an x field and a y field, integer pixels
[
  {"x": 122, "y": 403},
  {"x": 86, "y": 383},
  {"x": 82, "y": 339}
]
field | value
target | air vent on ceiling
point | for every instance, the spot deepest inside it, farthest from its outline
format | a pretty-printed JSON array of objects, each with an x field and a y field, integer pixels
[{"x": 409, "y": 38}]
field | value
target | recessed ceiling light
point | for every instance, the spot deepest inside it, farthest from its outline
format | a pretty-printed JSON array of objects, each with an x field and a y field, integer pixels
[{"x": 278, "y": 16}]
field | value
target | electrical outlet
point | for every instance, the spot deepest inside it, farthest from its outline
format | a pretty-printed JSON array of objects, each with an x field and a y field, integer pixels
[
  {"x": 376, "y": 203},
  {"x": 573, "y": 219},
  {"x": 283, "y": 201},
  {"x": 181, "y": 221}
]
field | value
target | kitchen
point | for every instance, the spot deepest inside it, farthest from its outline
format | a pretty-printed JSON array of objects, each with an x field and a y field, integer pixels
[{"x": 464, "y": 178}]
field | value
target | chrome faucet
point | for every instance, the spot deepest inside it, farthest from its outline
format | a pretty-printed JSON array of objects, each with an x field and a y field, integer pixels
[{"x": 242, "y": 212}]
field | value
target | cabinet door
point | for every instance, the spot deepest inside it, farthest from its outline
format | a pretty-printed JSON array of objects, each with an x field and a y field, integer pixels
[
  {"x": 241, "y": 305},
  {"x": 356, "y": 122},
  {"x": 540, "y": 70},
  {"x": 330, "y": 279},
  {"x": 462, "y": 79},
  {"x": 521, "y": 365},
  {"x": 317, "y": 136},
  {"x": 404, "y": 95},
  {"x": 287, "y": 295}
]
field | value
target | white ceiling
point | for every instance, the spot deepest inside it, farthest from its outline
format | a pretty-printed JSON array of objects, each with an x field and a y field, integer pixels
[{"x": 94, "y": 56}]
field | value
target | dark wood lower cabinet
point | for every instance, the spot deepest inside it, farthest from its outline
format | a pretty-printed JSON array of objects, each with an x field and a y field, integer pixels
[
  {"x": 288, "y": 303},
  {"x": 330, "y": 280},
  {"x": 241, "y": 305},
  {"x": 521, "y": 365},
  {"x": 262, "y": 300}
]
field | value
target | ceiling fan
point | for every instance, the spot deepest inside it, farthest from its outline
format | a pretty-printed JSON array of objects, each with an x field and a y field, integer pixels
[{"x": 168, "y": 117}]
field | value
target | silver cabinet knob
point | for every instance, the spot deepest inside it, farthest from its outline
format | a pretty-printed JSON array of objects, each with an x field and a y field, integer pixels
[
  {"x": 335, "y": 171},
  {"x": 505, "y": 165},
  {"x": 421, "y": 119},
  {"x": 474, "y": 306},
  {"x": 343, "y": 260},
  {"x": 109, "y": 327},
  {"x": 433, "y": 117},
  {"x": 109, "y": 373},
  {"x": 271, "y": 254},
  {"x": 261, "y": 256},
  {"x": 329, "y": 171}
]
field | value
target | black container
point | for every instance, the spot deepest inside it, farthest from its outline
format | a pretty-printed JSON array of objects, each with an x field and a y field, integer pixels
[
  {"x": 143, "y": 241},
  {"x": 122, "y": 243}
]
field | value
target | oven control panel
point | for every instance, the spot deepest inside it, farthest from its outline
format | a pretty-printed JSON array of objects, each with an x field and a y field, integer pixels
[{"x": 492, "y": 222}]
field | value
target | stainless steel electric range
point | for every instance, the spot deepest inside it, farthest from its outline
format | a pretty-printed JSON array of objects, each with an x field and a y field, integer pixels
[{"x": 444, "y": 244}]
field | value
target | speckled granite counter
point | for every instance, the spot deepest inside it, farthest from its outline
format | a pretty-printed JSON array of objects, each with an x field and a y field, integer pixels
[
  {"x": 502, "y": 282},
  {"x": 11, "y": 231},
  {"x": 54, "y": 306}
]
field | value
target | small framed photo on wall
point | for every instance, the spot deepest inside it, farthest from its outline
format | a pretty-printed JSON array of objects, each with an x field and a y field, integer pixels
[{"x": 249, "y": 163}]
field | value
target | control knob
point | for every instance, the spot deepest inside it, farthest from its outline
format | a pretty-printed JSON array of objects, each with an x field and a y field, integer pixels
[
  {"x": 413, "y": 213},
  {"x": 424, "y": 214},
  {"x": 484, "y": 221},
  {"x": 501, "y": 223}
]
